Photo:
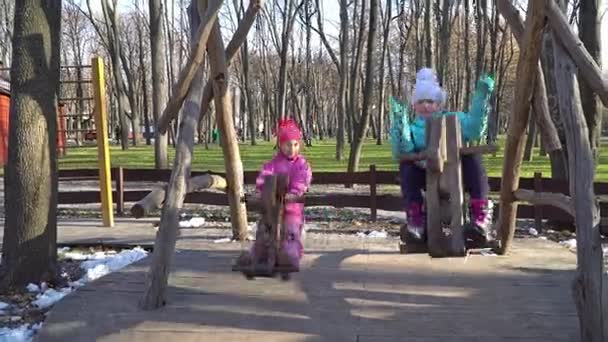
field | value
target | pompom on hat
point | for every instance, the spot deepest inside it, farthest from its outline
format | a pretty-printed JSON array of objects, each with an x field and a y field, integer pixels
[
  {"x": 427, "y": 87},
  {"x": 288, "y": 130}
]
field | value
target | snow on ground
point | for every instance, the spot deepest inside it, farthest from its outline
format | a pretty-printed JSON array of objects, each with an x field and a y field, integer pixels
[{"x": 95, "y": 265}]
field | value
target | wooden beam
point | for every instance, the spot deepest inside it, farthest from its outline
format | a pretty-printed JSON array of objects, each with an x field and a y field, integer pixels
[
  {"x": 166, "y": 238},
  {"x": 541, "y": 103},
  {"x": 587, "y": 68},
  {"x": 590, "y": 289},
  {"x": 230, "y": 146},
  {"x": 239, "y": 37},
  {"x": 546, "y": 198},
  {"x": 188, "y": 73},
  {"x": 156, "y": 197},
  {"x": 516, "y": 135}
]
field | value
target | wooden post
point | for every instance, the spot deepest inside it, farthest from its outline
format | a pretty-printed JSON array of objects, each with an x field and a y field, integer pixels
[
  {"x": 373, "y": 200},
  {"x": 548, "y": 132},
  {"x": 166, "y": 237},
  {"x": 527, "y": 72},
  {"x": 230, "y": 148},
  {"x": 590, "y": 288},
  {"x": 436, "y": 144},
  {"x": 188, "y": 73},
  {"x": 120, "y": 190},
  {"x": 103, "y": 147},
  {"x": 453, "y": 176},
  {"x": 538, "y": 208}
]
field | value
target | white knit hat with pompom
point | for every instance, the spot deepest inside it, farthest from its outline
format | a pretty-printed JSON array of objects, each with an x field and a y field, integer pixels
[{"x": 427, "y": 87}]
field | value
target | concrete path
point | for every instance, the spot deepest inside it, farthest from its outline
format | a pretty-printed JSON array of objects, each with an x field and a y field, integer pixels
[{"x": 350, "y": 289}]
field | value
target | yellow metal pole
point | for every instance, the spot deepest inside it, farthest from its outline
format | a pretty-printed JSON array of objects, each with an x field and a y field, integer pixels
[{"x": 103, "y": 147}]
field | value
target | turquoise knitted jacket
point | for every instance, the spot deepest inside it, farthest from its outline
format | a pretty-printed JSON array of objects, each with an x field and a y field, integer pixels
[{"x": 408, "y": 137}]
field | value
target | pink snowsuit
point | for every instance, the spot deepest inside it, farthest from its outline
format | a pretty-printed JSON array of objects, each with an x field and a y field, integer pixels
[{"x": 300, "y": 176}]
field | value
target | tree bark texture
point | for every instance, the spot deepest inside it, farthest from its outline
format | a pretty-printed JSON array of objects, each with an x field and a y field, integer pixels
[
  {"x": 362, "y": 125},
  {"x": 188, "y": 73},
  {"x": 164, "y": 246},
  {"x": 516, "y": 136},
  {"x": 239, "y": 38},
  {"x": 589, "y": 288},
  {"x": 29, "y": 251},
  {"x": 589, "y": 30},
  {"x": 542, "y": 115},
  {"x": 588, "y": 69},
  {"x": 159, "y": 82},
  {"x": 230, "y": 146}
]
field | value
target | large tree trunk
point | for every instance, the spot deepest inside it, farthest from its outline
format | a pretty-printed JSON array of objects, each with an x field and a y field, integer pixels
[
  {"x": 159, "y": 86},
  {"x": 230, "y": 146},
  {"x": 589, "y": 289},
  {"x": 164, "y": 246},
  {"x": 363, "y": 124},
  {"x": 589, "y": 29},
  {"x": 29, "y": 251}
]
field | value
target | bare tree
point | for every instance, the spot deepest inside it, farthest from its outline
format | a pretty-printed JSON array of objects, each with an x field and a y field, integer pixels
[
  {"x": 362, "y": 124},
  {"x": 159, "y": 87}
]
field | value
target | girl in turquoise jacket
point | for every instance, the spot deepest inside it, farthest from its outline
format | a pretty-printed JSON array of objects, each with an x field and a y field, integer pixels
[{"x": 408, "y": 136}]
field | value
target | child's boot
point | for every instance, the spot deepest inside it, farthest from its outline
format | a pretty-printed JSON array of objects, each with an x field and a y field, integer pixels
[
  {"x": 291, "y": 249},
  {"x": 478, "y": 230},
  {"x": 414, "y": 231}
]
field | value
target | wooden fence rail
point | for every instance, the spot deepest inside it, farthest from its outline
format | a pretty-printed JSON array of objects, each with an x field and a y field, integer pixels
[{"x": 372, "y": 201}]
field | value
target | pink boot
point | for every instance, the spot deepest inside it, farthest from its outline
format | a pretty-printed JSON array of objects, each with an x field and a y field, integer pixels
[{"x": 416, "y": 226}]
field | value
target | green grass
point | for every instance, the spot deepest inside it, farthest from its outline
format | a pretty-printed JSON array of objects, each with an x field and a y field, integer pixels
[{"x": 320, "y": 156}]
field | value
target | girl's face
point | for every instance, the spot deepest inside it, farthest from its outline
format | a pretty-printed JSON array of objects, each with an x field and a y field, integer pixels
[
  {"x": 290, "y": 148},
  {"x": 426, "y": 108}
]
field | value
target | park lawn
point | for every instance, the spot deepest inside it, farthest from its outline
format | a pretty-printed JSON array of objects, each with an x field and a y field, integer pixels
[{"x": 320, "y": 155}]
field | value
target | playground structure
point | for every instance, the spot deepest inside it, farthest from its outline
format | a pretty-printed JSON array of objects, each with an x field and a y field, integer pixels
[
  {"x": 75, "y": 118},
  {"x": 589, "y": 286},
  {"x": 272, "y": 231},
  {"x": 444, "y": 195}
]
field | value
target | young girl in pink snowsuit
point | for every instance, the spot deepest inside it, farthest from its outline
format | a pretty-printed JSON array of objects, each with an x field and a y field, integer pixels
[{"x": 288, "y": 161}]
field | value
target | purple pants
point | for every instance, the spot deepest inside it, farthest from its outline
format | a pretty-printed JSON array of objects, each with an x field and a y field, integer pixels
[
  {"x": 474, "y": 178},
  {"x": 292, "y": 245}
]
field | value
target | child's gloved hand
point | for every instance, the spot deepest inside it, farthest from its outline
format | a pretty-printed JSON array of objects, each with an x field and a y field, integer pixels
[{"x": 486, "y": 82}]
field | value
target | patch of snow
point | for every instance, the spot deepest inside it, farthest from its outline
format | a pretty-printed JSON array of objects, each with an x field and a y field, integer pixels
[
  {"x": 223, "y": 240},
  {"x": 80, "y": 256},
  {"x": 4, "y": 305},
  {"x": 373, "y": 234},
  {"x": 33, "y": 288},
  {"x": 23, "y": 333},
  {"x": 395, "y": 216},
  {"x": 194, "y": 222},
  {"x": 542, "y": 238},
  {"x": 97, "y": 268},
  {"x": 50, "y": 297},
  {"x": 571, "y": 244},
  {"x": 487, "y": 252},
  {"x": 532, "y": 231}
]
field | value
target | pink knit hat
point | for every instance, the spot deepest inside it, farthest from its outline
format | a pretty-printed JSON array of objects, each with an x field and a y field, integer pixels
[{"x": 288, "y": 130}]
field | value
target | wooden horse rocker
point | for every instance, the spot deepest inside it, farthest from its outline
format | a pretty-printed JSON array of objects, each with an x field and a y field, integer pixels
[
  {"x": 272, "y": 259},
  {"x": 446, "y": 233}
]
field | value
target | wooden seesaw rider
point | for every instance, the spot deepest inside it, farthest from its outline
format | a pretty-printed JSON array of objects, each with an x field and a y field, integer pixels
[
  {"x": 288, "y": 162},
  {"x": 409, "y": 137}
]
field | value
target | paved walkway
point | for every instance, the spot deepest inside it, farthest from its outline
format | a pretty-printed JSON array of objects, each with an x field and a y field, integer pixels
[{"x": 350, "y": 289}]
